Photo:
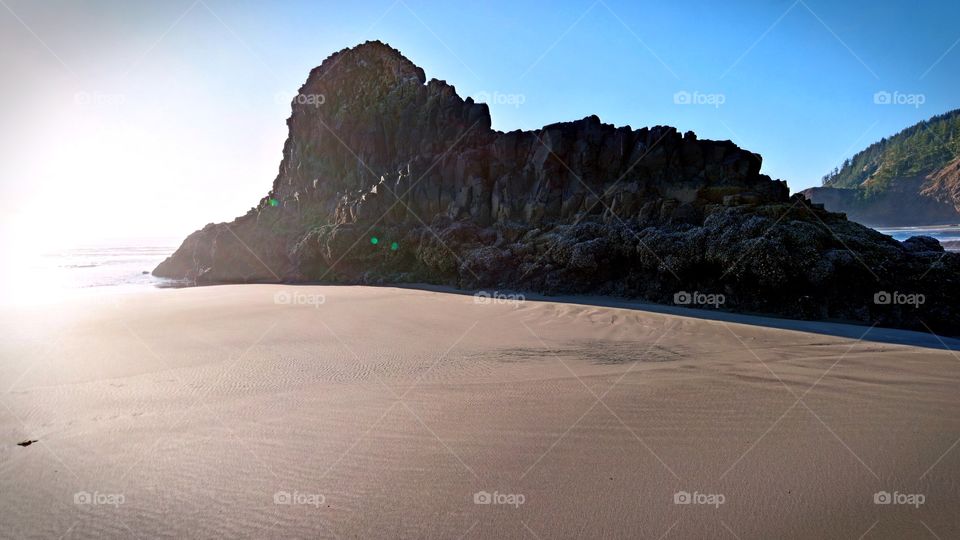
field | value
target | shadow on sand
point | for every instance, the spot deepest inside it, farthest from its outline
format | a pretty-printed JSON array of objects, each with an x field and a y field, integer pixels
[{"x": 875, "y": 334}]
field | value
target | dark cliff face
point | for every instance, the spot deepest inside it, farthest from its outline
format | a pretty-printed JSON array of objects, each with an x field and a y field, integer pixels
[{"x": 387, "y": 177}]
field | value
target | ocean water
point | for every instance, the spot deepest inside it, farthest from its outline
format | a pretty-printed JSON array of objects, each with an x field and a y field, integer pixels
[
  {"x": 109, "y": 266},
  {"x": 54, "y": 274},
  {"x": 948, "y": 235}
]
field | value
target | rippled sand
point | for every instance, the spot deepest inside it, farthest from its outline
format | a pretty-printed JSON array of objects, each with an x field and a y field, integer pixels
[{"x": 269, "y": 411}]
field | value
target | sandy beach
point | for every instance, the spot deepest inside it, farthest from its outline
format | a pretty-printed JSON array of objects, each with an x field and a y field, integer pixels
[{"x": 273, "y": 411}]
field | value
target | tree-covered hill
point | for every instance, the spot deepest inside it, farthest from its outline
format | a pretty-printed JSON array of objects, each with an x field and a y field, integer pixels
[{"x": 907, "y": 179}]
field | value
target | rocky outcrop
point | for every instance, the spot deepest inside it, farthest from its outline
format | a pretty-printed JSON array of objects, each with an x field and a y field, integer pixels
[
  {"x": 387, "y": 177},
  {"x": 943, "y": 186}
]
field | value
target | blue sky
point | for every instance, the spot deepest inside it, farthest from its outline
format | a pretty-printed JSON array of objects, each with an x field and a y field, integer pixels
[{"x": 127, "y": 118}]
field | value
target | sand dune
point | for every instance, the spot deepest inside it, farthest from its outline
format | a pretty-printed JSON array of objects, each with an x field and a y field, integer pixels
[{"x": 354, "y": 412}]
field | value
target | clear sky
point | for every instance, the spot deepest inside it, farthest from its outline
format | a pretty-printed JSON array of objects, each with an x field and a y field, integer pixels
[{"x": 126, "y": 118}]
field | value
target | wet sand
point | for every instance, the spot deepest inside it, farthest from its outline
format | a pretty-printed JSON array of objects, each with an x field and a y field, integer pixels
[{"x": 270, "y": 411}]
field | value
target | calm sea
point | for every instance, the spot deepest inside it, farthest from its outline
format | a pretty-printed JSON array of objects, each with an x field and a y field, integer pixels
[
  {"x": 90, "y": 269},
  {"x": 109, "y": 266},
  {"x": 948, "y": 235}
]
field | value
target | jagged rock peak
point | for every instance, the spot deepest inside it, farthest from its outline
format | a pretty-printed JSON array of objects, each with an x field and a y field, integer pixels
[{"x": 370, "y": 55}]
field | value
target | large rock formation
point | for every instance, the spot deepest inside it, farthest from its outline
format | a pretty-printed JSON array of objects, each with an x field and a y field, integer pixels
[{"x": 389, "y": 178}]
